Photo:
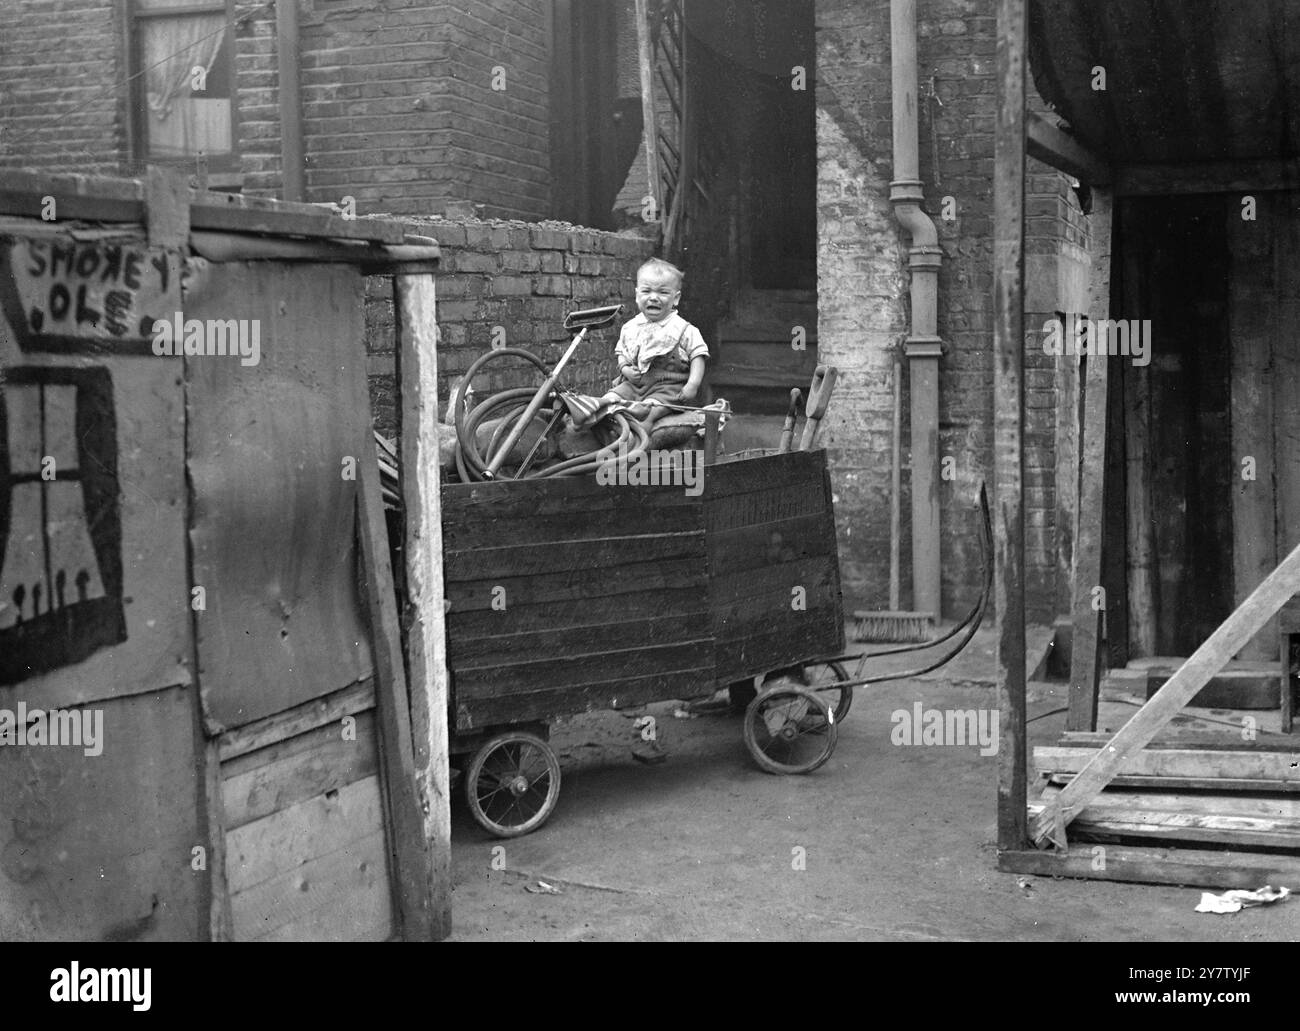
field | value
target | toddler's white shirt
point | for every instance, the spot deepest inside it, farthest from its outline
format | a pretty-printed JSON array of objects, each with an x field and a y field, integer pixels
[{"x": 641, "y": 341}]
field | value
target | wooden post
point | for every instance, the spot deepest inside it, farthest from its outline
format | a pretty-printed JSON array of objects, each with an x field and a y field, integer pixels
[
  {"x": 1264, "y": 602},
  {"x": 1085, "y": 652},
  {"x": 645, "y": 61},
  {"x": 1140, "y": 529},
  {"x": 1252, "y": 323},
  {"x": 1008, "y": 415},
  {"x": 291, "y": 148},
  {"x": 417, "y": 367}
]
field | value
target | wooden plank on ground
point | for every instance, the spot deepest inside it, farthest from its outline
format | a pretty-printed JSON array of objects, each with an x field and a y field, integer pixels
[
  {"x": 1240, "y": 822},
  {"x": 1208, "y": 659},
  {"x": 1151, "y": 865},
  {"x": 1179, "y": 762},
  {"x": 1219, "y": 740}
]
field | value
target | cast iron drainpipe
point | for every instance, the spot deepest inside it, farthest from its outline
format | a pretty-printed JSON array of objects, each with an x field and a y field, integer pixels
[{"x": 923, "y": 347}]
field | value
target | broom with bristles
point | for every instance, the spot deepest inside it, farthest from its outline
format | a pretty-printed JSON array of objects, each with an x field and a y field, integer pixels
[{"x": 894, "y": 626}]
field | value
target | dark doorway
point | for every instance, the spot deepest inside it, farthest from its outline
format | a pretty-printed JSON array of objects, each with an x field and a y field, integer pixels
[{"x": 1173, "y": 271}]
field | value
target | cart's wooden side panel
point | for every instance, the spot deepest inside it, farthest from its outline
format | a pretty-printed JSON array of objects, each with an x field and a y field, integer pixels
[
  {"x": 774, "y": 584},
  {"x": 568, "y": 595}
]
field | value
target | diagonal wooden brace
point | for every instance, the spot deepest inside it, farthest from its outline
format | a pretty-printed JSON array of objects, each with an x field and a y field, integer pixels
[{"x": 1047, "y": 823}]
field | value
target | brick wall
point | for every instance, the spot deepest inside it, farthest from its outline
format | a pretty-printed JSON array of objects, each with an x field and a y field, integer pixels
[
  {"x": 399, "y": 109},
  {"x": 862, "y": 290},
  {"x": 58, "y": 108},
  {"x": 522, "y": 277}
]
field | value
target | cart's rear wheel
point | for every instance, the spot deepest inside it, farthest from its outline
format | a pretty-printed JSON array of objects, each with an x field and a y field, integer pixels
[
  {"x": 789, "y": 730},
  {"x": 512, "y": 784},
  {"x": 816, "y": 676}
]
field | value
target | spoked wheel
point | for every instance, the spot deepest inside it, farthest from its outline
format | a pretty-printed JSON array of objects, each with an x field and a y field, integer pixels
[
  {"x": 789, "y": 730},
  {"x": 512, "y": 784},
  {"x": 816, "y": 676}
]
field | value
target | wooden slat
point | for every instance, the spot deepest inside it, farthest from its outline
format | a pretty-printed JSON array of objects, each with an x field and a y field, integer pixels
[
  {"x": 358, "y": 911},
  {"x": 583, "y": 587},
  {"x": 1173, "y": 818},
  {"x": 298, "y": 720},
  {"x": 800, "y": 498},
  {"x": 580, "y": 670},
  {"x": 518, "y": 618},
  {"x": 483, "y": 564},
  {"x": 612, "y": 694},
  {"x": 756, "y": 546},
  {"x": 239, "y": 213},
  {"x": 325, "y": 856},
  {"x": 1008, "y": 405},
  {"x": 775, "y": 473},
  {"x": 279, "y": 843},
  {"x": 573, "y": 496},
  {"x": 1179, "y": 762},
  {"x": 467, "y": 533},
  {"x": 1194, "y": 867},
  {"x": 1208, "y": 659},
  {"x": 1050, "y": 144},
  {"x": 774, "y": 581},
  {"x": 1191, "y": 738},
  {"x": 503, "y": 648},
  {"x": 408, "y": 847},
  {"x": 261, "y": 783},
  {"x": 819, "y": 633},
  {"x": 1241, "y": 784}
]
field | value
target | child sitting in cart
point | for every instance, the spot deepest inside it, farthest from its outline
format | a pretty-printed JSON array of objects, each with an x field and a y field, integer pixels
[{"x": 660, "y": 355}]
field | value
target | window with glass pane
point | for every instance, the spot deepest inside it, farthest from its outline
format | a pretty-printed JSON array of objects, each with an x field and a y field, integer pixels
[{"x": 183, "y": 52}]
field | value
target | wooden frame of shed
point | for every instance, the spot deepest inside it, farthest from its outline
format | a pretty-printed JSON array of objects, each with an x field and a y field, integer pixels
[
  {"x": 254, "y": 788},
  {"x": 1198, "y": 828}
]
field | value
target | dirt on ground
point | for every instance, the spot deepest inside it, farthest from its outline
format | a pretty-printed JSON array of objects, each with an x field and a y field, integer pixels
[{"x": 884, "y": 842}]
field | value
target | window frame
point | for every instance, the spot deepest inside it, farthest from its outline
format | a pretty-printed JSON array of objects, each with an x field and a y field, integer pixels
[{"x": 224, "y": 170}]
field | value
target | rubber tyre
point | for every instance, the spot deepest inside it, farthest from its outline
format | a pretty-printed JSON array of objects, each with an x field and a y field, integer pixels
[
  {"x": 789, "y": 730},
  {"x": 810, "y": 675},
  {"x": 499, "y": 802}
]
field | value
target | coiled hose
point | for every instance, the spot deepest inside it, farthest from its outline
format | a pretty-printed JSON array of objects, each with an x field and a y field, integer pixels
[{"x": 509, "y": 406}]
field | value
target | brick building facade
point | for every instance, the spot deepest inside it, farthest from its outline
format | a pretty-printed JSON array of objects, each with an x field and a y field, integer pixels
[
  {"x": 420, "y": 108},
  {"x": 862, "y": 288}
]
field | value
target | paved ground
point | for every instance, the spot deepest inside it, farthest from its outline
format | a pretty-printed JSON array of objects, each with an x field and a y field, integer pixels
[{"x": 899, "y": 844}]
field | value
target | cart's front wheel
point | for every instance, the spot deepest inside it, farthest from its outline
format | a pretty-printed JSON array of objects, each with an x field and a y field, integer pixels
[
  {"x": 512, "y": 784},
  {"x": 789, "y": 730}
]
